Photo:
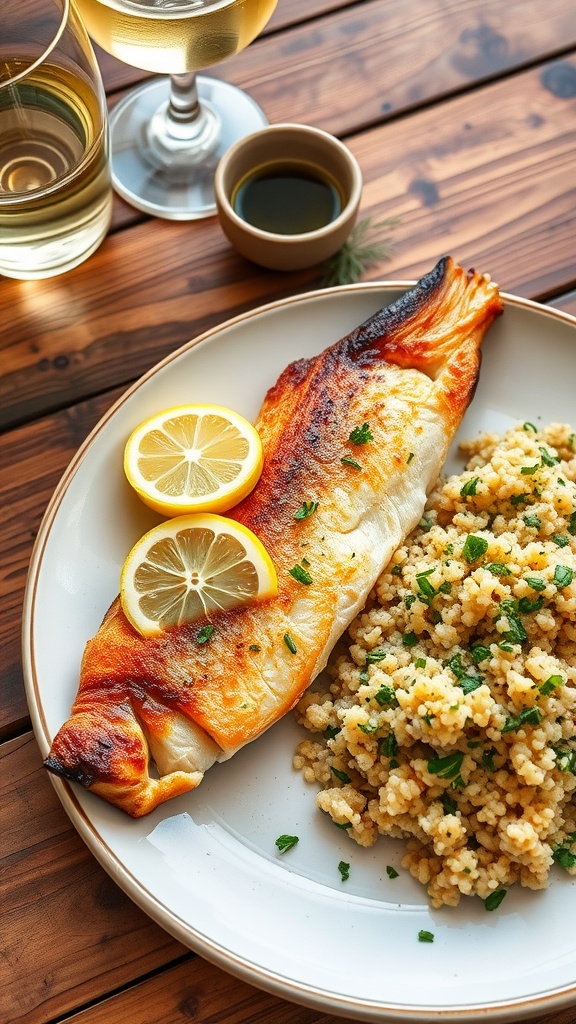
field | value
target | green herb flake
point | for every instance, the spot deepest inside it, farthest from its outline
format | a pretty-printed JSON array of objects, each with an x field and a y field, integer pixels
[
  {"x": 350, "y": 462},
  {"x": 532, "y": 521},
  {"x": 301, "y": 575},
  {"x": 307, "y": 508},
  {"x": 205, "y": 634},
  {"x": 446, "y": 767},
  {"x": 340, "y": 775},
  {"x": 520, "y": 499},
  {"x": 420, "y": 663},
  {"x": 396, "y": 570},
  {"x": 535, "y": 582},
  {"x": 424, "y": 936},
  {"x": 409, "y": 639},
  {"x": 331, "y": 731},
  {"x": 547, "y": 458},
  {"x": 449, "y": 804},
  {"x": 285, "y": 843},
  {"x": 498, "y": 569},
  {"x": 529, "y": 470},
  {"x": 290, "y": 643},
  {"x": 425, "y": 524},
  {"x": 493, "y": 901},
  {"x": 572, "y": 524},
  {"x": 469, "y": 683},
  {"x": 527, "y": 605},
  {"x": 474, "y": 548},
  {"x": 386, "y": 697},
  {"x": 487, "y": 760},
  {"x": 388, "y": 746},
  {"x": 550, "y": 685},
  {"x": 409, "y": 459},
  {"x": 480, "y": 653},
  {"x": 563, "y": 576},
  {"x": 361, "y": 435},
  {"x": 424, "y": 585},
  {"x": 564, "y": 857},
  {"x": 565, "y": 760},
  {"x": 343, "y": 824},
  {"x": 530, "y": 427},
  {"x": 469, "y": 488},
  {"x": 528, "y": 716},
  {"x": 368, "y": 727},
  {"x": 560, "y": 540},
  {"x": 374, "y": 656},
  {"x": 253, "y": 647},
  {"x": 391, "y": 872},
  {"x": 344, "y": 870}
]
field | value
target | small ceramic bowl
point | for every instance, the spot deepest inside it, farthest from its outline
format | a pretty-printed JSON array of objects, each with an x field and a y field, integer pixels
[{"x": 292, "y": 143}]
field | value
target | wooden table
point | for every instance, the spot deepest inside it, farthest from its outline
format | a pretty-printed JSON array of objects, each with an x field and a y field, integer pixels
[{"x": 462, "y": 115}]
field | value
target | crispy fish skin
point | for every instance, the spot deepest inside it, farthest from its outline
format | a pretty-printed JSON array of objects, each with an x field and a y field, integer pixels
[{"x": 410, "y": 373}]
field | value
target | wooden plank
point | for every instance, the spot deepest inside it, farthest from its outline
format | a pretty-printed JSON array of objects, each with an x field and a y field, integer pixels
[
  {"x": 68, "y": 934},
  {"x": 331, "y": 72},
  {"x": 200, "y": 992},
  {"x": 495, "y": 191}
]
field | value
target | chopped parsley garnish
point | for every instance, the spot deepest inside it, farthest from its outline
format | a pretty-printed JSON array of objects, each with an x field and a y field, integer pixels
[
  {"x": 449, "y": 804},
  {"x": 205, "y": 634},
  {"x": 377, "y": 655},
  {"x": 529, "y": 470},
  {"x": 290, "y": 643},
  {"x": 285, "y": 843},
  {"x": 368, "y": 727},
  {"x": 533, "y": 521},
  {"x": 474, "y": 548},
  {"x": 526, "y": 605},
  {"x": 469, "y": 488},
  {"x": 350, "y": 462},
  {"x": 331, "y": 731},
  {"x": 480, "y": 653},
  {"x": 498, "y": 569},
  {"x": 520, "y": 499},
  {"x": 565, "y": 760},
  {"x": 344, "y": 870},
  {"x": 391, "y": 872},
  {"x": 361, "y": 435},
  {"x": 424, "y": 936},
  {"x": 572, "y": 524},
  {"x": 396, "y": 570},
  {"x": 530, "y": 426},
  {"x": 306, "y": 509},
  {"x": 560, "y": 540},
  {"x": 409, "y": 639},
  {"x": 388, "y": 746},
  {"x": 425, "y": 524},
  {"x": 563, "y": 576},
  {"x": 535, "y": 582},
  {"x": 528, "y": 716},
  {"x": 515, "y": 633},
  {"x": 550, "y": 685},
  {"x": 446, "y": 767},
  {"x": 563, "y": 856},
  {"x": 343, "y": 824},
  {"x": 409, "y": 459},
  {"x": 488, "y": 759},
  {"x": 493, "y": 901},
  {"x": 301, "y": 575},
  {"x": 386, "y": 697},
  {"x": 340, "y": 775},
  {"x": 253, "y": 647},
  {"x": 547, "y": 458},
  {"x": 424, "y": 585},
  {"x": 420, "y": 663}
]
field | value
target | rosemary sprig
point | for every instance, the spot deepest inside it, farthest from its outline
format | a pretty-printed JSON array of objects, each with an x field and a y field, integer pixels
[{"x": 360, "y": 252}]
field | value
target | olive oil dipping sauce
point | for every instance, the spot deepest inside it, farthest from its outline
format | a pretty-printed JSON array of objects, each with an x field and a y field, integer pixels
[{"x": 287, "y": 198}]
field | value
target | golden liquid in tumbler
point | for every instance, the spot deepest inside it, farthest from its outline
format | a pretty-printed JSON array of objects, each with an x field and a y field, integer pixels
[
  {"x": 51, "y": 218},
  {"x": 174, "y": 36}
]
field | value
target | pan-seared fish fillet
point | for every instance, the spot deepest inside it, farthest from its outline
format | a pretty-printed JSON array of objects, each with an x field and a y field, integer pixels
[{"x": 409, "y": 373}]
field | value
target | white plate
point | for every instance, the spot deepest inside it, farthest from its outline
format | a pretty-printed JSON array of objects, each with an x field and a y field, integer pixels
[{"x": 205, "y": 866}]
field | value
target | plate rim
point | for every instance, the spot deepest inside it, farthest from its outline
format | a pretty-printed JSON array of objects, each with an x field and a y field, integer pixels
[{"x": 231, "y": 962}]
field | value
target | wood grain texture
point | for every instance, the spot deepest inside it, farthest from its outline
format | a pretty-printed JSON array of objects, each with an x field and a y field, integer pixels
[
  {"x": 495, "y": 193},
  {"x": 68, "y": 934}
]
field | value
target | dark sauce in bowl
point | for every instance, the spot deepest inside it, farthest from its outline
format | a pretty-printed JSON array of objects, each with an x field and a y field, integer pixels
[{"x": 287, "y": 198}]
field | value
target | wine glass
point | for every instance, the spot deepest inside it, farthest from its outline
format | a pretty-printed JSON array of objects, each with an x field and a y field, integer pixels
[{"x": 168, "y": 135}]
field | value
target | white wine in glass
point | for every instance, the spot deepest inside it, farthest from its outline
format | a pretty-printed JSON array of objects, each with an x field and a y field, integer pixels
[{"x": 168, "y": 135}]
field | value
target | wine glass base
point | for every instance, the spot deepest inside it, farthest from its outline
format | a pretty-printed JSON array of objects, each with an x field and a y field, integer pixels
[{"x": 180, "y": 192}]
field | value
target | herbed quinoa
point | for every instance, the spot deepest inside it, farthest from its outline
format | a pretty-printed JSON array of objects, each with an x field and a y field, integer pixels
[{"x": 450, "y": 721}]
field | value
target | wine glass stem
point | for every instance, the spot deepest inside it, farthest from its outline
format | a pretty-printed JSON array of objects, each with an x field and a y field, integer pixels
[{"x": 183, "y": 131}]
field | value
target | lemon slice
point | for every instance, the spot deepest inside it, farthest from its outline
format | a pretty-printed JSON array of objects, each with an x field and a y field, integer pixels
[
  {"x": 190, "y": 566},
  {"x": 193, "y": 458}
]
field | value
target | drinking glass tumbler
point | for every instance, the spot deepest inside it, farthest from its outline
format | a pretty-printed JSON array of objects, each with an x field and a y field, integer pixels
[{"x": 55, "y": 186}]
